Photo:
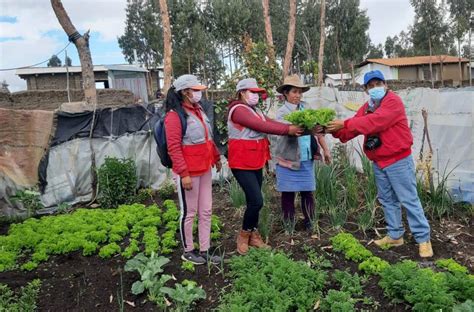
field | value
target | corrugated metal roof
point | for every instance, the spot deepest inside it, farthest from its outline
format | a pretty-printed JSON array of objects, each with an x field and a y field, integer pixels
[
  {"x": 414, "y": 60},
  {"x": 77, "y": 69}
]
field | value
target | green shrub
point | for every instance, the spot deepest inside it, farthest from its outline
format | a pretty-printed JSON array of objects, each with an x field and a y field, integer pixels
[
  {"x": 270, "y": 281},
  {"x": 117, "y": 180}
]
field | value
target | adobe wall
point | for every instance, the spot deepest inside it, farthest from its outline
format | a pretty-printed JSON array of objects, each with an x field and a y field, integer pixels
[{"x": 52, "y": 99}]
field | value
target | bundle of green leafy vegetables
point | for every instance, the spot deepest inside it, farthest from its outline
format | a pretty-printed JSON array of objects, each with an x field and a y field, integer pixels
[{"x": 309, "y": 118}]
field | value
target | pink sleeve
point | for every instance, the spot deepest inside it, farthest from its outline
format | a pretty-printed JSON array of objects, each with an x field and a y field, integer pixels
[{"x": 246, "y": 118}]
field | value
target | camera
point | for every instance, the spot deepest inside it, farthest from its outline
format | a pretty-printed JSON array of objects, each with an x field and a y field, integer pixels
[{"x": 373, "y": 142}]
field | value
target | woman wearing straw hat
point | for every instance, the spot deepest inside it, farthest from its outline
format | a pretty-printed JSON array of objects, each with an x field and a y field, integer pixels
[
  {"x": 295, "y": 158},
  {"x": 248, "y": 154}
]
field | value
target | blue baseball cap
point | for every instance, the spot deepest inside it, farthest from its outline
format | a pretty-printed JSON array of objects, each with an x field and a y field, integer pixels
[{"x": 374, "y": 74}]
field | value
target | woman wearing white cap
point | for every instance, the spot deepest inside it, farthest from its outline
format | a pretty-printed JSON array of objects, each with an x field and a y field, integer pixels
[
  {"x": 295, "y": 158},
  {"x": 248, "y": 153},
  {"x": 192, "y": 153}
]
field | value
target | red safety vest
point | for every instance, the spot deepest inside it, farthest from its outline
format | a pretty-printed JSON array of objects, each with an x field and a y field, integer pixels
[{"x": 248, "y": 149}]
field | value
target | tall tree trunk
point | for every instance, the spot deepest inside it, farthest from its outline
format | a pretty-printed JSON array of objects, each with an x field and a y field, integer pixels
[
  {"x": 431, "y": 64},
  {"x": 291, "y": 39},
  {"x": 338, "y": 55},
  {"x": 441, "y": 60},
  {"x": 168, "y": 49},
  {"x": 268, "y": 31},
  {"x": 88, "y": 80},
  {"x": 204, "y": 74},
  {"x": 230, "y": 62},
  {"x": 322, "y": 39},
  {"x": 459, "y": 62},
  {"x": 82, "y": 45},
  {"x": 353, "y": 75},
  {"x": 189, "y": 63},
  {"x": 470, "y": 55}
]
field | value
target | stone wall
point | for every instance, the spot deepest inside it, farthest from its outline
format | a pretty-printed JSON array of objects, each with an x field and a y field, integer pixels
[{"x": 52, "y": 99}]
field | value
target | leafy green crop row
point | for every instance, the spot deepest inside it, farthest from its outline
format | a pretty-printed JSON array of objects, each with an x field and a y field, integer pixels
[
  {"x": 309, "y": 118},
  {"x": 424, "y": 289},
  {"x": 270, "y": 281},
  {"x": 92, "y": 231},
  {"x": 24, "y": 301},
  {"x": 353, "y": 250}
]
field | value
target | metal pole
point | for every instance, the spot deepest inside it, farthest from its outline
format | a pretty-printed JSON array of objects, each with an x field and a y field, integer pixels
[{"x": 67, "y": 79}]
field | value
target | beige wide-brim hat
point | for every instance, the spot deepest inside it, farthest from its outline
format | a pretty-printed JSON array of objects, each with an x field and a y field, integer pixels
[{"x": 292, "y": 81}]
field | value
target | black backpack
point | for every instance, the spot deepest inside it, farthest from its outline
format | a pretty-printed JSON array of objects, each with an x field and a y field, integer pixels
[{"x": 160, "y": 137}]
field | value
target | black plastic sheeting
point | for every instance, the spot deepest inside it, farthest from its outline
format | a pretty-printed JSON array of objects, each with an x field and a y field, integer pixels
[{"x": 108, "y": 122}]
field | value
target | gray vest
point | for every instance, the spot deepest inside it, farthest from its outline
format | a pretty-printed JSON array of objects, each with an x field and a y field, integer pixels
[
  {"x": 195, "y": 132},
  {"x": 245, "y": 133}
]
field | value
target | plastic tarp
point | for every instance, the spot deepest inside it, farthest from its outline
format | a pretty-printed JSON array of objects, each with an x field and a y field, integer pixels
[
  {"x": 450, "y": 125},
  {"x": 69, "y": 175},
  {"x": 24, "y": 138}
]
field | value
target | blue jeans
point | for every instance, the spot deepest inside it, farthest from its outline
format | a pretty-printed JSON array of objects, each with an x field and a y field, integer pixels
[{"x": 396, "y": 185}]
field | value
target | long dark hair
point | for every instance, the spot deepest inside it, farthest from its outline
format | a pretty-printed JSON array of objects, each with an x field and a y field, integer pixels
[{"x": 174, "y": 100}]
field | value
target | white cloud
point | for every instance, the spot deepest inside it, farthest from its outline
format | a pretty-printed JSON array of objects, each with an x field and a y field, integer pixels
[
  {"x": 387, "y": 17},
  {"x": 36, "y": 18}
]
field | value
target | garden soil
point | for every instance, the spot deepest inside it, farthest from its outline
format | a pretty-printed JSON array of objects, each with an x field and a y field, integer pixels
[{"x": 76, "y": 283}]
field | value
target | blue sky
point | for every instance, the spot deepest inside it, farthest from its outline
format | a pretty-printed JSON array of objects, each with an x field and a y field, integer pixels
[{"x": 30, "y": 32}]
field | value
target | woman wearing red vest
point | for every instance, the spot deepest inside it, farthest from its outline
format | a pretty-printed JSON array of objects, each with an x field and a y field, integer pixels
[
  {"x": 193, "y": 153},
  {"x": 248, "y": 153}
]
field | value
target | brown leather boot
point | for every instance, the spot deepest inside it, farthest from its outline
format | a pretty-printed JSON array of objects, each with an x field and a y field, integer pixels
[
  {"x": 257, "y": 241},
  {"x": 243, "y": 242}
]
